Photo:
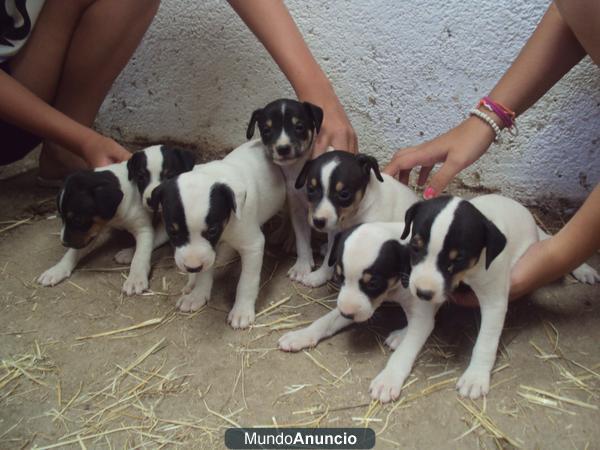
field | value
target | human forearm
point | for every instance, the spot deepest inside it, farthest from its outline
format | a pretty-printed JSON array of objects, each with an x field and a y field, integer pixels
[
  {"x": 270, "y": 21},
  {"x": 24, "y": 109},
  {"x": 551, "y": 51},
  {"x": 272, "y": 24}
]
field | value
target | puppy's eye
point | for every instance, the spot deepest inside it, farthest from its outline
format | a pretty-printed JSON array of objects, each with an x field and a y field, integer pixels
[
  {"x": 450, "y": 268},
  {"x": 212, "y": 231},
  {"x": 266, "y": 132},
  {"x": 310, "y": 189},
  {"x": 374, "y": 284},
  {"x": 344, "y": 195},
  {"x": 300, "y": 128}
]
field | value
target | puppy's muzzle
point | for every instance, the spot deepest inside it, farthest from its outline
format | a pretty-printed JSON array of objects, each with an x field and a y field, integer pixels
[
  {"x": 283, "y": 150},
  {"x": 194, "y": 269}
]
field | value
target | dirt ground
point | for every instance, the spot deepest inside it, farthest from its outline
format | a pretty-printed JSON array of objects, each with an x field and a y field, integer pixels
[{"x": 182, "y": 379}]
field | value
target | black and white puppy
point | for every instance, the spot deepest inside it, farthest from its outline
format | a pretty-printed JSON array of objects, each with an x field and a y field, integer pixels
[
  {"x": 288, "y": 131},
  {"x": 91, "y": 202},
  {"x": 343, "y": 190},
  {"x": 478, "y": 242},
  {"x": 221, "y": 205},
  {"x": 372, "y": 266}
]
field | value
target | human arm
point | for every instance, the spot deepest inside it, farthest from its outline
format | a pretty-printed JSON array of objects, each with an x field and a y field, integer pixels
[
  {"x": 549, "y": 54},
  {"x": 21, "y": 107},
  {"x": 274, "y": 27}
]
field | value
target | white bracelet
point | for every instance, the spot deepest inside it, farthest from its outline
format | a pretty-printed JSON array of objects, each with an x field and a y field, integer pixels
[{"x": 487, "y": 119}]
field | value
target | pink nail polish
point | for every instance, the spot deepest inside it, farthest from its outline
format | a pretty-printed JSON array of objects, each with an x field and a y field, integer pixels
[{"x": 429, "y": 193}]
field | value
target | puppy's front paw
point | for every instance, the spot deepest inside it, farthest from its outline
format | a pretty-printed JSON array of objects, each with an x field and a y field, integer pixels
[
  {"x": 300, "y": 270},
  {"x": 191, "y": 302},
  {"x": 474, "y": 383},
  {"x": 136, "y": 283},
  {"x": 297, "y": 340},
  {"x": 124, "y": 256},
  {"x": 54, "y": 275},
  {"x": 386, "y": 386},
  {"x": 241, "y": 316},
  {"x": 315, "y": 279},
  {"x": 586, "y": 274},
  {"x": 395, "y": 338}
]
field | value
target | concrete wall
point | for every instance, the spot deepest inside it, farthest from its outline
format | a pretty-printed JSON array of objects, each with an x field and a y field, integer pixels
[{"x": 405, "y": 71}]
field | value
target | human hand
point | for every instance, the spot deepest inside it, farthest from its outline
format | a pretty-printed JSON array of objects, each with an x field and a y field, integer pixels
[
  {"x": 98, "y": 151},
  {"x": 336, "y": 130},
  {"x": 456, "y": 149}
]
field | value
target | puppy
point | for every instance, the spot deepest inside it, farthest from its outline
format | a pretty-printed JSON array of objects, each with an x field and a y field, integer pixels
[
  {"x": 477, "y": 242},
  {"x": 91, "y": 202},
  {"x": 452, "y": 240},
  {"x": 343, "y": 190},
  {"x": 147, "y": 169},
  {"x": 372, "y": 266},
  {"x": 222, "y": 202},
  {"x": 288, "y": 130}
]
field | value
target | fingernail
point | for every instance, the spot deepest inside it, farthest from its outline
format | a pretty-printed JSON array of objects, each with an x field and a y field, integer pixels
[{"x": 429, "y": 193}]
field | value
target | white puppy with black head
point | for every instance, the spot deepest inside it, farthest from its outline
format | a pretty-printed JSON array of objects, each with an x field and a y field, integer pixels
[
  {"x": 222, "y": 203},
  {"x": 288, "y": 131},
  {"x": 94, "y": 201},
  {"x": 343, "y": 190},
  {"x": 372, "y": 266},
  {"x": 477, "y": 242}
]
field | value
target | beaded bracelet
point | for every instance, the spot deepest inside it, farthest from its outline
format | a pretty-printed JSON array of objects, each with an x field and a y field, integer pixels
[
  {"x": 506, "y": 115},
  {"x": 487, "y": 119}
]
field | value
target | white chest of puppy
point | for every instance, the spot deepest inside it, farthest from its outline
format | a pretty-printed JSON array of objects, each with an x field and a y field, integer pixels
[
  {"x": 92, "y": 202},
  {"x": 343, "y": 190},
  {"x": 218, "y": 204}
]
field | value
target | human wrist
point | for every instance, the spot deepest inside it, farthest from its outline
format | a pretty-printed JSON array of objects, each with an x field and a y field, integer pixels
[{"x": 479, "y": 129}]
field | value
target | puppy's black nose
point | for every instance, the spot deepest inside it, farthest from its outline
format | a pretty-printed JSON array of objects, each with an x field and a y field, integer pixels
[
  {"x": 193, "y": 269},
  {"x": 284, "y": 150},
  {"x": 347, "y": 316},
  {"x": 424, "y": 294},
  {"x": 319, "y": 223}
]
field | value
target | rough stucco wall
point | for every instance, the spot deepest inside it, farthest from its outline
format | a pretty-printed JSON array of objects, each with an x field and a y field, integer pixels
[{"x": 405, "y": 71}]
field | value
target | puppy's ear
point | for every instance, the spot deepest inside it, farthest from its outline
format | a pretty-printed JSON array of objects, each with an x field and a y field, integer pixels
[
  {"x": 156, "y": 197},
  {"x": 107, "y": 198},
  {"x": 186, "y": 158},
  {"x": 316, "y": 113},
  {"x": 403, "y": 261},
  {"x": 368, "y": 163},
  {"x": 236, "y": 195},
  {"x": 333, "y": 255},
  {"x": 495, "y": 241},
  {"x": 408, "y": 219},
  {"x": 134, "y": 164},
  {"x": 301, "y": 180},
  {"x": 252, "y": 123}
]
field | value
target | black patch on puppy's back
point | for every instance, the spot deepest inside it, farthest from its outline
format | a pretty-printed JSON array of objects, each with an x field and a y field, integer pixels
[
  {"x": 137, "y": 170},
  {"x": 175, "y": 161}
]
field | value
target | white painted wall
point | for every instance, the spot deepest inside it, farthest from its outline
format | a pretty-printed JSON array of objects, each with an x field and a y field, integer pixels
[{"x": 405, "y": 71}]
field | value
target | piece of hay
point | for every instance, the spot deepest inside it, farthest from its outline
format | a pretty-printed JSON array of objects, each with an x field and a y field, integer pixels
[{"x": 137, "y": 326}]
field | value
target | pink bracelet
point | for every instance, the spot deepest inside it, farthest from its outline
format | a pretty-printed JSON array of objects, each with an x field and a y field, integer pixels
[{"x": 506, "y": 115}]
